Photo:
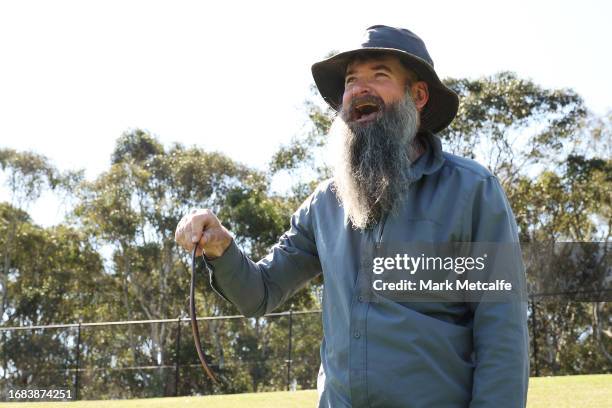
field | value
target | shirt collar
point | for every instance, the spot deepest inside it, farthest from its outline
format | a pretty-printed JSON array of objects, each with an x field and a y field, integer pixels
[{"x": 432, "y": 158}]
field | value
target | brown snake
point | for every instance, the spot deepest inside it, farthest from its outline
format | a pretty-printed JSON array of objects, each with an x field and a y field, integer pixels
[{"x": 194, "y": 321}]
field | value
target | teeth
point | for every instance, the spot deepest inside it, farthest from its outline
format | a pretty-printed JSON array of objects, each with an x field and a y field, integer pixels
[
  {"x": 365, "y": 105},
  {"x": 366, "y": 109}
]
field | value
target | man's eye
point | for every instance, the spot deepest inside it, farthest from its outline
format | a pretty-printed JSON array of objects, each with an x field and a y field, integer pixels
[
  {"x": 349, "y": 80},
  {"x": 381, "y": 75}
]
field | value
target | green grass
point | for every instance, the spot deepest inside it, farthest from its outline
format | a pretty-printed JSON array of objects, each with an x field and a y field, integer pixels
[
  {"x": 591, "y": 391},
  {"x": 296, "y": 399}
]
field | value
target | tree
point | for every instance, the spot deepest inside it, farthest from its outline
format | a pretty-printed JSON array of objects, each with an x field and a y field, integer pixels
[
  {"x": 54, "y": 276},
  {"x": 27, "y": 175},
  {"x": 512, "y": 125}
]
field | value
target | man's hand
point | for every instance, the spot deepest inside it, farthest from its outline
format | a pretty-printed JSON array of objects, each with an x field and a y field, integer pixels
[{"x": 202, "y": 227}]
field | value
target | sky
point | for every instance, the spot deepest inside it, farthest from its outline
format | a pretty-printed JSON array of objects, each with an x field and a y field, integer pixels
[{"x": 233, "y": 76}]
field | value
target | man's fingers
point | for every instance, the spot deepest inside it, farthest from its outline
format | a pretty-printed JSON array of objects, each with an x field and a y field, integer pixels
[
  {"x": 182, "y": 229},
  {"x": 196, "y": 229},
  {"x": 200, "y": 244},
  {"x": 199, "y": 223},
  {"x": 206, "y": 237}
]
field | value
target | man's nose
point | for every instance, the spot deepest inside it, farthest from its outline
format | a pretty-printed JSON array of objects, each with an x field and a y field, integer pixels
[{"x": 359, "y": 88}]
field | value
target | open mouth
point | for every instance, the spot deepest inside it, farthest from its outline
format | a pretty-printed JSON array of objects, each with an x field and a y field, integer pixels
[{"x": 365, "y": 110}]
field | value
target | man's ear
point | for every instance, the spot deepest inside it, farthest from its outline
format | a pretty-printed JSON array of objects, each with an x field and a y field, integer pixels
[{"x": 420, "y": 94}]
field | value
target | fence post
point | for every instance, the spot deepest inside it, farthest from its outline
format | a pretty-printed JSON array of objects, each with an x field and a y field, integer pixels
[
  {"x": 289, "y": 349},
  {"x": 78, "y": 363},
  {"x": 177, "y": 357},
  {"x": 533, "y": 335}
]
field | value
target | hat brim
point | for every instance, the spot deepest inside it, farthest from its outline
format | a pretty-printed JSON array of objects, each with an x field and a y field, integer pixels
[{"x": 437, "y": 114}]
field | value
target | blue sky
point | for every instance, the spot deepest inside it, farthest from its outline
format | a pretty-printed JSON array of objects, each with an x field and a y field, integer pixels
[{"x": 232, "y": 77}]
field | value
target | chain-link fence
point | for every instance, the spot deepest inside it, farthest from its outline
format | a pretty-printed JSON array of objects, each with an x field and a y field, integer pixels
[
  {"x": 156, "y": 358},
  {"x": 280, "y": 351}
]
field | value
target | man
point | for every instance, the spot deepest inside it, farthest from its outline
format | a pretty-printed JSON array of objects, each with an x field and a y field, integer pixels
[{"x": 391, "y": 183}]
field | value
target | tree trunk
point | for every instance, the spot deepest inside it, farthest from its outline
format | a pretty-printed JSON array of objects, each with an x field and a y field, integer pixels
[
  {"x": 126, "y": 301},
  {"x": 598, "y": 330}
]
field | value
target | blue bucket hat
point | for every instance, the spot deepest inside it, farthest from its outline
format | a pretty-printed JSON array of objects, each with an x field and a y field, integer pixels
[{"x": 443, "y": 103}]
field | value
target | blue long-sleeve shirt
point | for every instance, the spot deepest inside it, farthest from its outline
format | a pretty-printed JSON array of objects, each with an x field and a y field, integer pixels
[{"x": 387, "y": 353}]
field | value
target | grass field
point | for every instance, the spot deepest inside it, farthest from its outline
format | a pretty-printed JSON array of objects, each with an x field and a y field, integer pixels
[{"x": 589, "y": 391}]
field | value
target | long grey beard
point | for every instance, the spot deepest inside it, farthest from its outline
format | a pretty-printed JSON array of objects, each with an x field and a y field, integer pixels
[{"x": 372, "y": 167}]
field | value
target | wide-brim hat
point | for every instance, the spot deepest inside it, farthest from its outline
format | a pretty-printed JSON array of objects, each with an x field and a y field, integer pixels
[{"x": 443, "y": 103}]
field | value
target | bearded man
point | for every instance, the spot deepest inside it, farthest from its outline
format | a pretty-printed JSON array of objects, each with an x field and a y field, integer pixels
[{"x": 391, "y": 183}]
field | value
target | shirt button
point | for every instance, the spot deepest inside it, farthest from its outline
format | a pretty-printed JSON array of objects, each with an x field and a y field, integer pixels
[
  {"x": 360, "y": 298},
  {"x": 357, "y": 334}
]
